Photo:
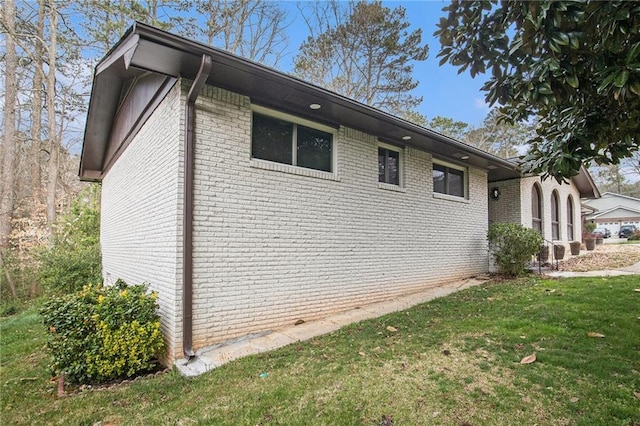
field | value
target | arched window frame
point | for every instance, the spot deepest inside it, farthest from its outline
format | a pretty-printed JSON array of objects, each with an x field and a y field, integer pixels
[
  {"x": 570, "y": 218},
  {"x": 555, "y": 216},
  {"x": 536, "y": 208}
]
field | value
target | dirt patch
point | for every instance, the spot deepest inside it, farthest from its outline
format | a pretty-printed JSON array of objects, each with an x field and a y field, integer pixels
[{"x": 607, "y": 256}]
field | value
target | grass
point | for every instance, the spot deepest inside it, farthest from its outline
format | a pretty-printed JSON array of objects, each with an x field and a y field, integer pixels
[{"x": 452, "y": 361}]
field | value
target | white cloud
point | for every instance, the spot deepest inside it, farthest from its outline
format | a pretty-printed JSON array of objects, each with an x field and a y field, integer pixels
[{"x": 479, "y": 103}]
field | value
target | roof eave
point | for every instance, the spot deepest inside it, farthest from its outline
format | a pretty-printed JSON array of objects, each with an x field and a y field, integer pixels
[{"x": 145, "y": 48}]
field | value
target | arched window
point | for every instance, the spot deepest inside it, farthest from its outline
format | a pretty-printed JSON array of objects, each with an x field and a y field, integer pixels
[
  {"x": 570, "y": 218},
  {"x": 555, "y": 216},
  {"x": 536, "y": 209}
]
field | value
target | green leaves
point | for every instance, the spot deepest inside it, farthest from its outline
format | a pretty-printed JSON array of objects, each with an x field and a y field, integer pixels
[
  {"x": 103, "y": 333},
  {"x": 512, "y": 246},
  {"x": 575, "y": 65}
]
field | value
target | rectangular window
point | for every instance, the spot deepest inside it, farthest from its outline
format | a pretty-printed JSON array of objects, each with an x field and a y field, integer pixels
[
  {"x": 388, "y": 166},
  {"x": 448, "y": 180},
  {"x": 281, "y": 141}
]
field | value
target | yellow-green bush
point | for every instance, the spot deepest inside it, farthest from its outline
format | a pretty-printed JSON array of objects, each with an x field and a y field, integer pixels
[{"x": 103, "y": 333}]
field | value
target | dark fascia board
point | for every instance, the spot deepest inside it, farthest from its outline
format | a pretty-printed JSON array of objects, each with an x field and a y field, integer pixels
[{"x": 145, "y": 48}]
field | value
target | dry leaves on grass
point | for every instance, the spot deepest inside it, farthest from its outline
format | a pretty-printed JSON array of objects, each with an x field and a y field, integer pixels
[
  {"x": 528, "y": 359},
  {"x": 612, "y": 256},
  {"x": 594, "y": 334}
]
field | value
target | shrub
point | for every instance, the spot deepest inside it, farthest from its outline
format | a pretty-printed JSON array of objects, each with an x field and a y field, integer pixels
[
  {"x": 73, "y": 258},
  {"x": 513, "y": 245},
  {"x": 103, "y": 333}
]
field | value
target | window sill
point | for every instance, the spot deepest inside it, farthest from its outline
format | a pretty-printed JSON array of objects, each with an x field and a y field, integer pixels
[
  {"x": 294, "y": 170},
  {"x": 451, "y": 198},
  {"x": 391, "y": 187}
]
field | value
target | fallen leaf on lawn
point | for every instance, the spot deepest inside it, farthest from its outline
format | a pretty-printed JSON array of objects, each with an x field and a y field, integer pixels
[
  {"x": 636, "y": 394},
  {"x": 362, "y": 354},
  {"x": 594, "y": 334},
  {"x": 528, "y": 359},
  {"x": 574, "y": 400},
  {"x": 392, "y": 329}
]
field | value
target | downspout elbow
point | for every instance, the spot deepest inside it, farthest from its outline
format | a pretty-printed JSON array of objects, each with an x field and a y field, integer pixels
[{"x": 187, "y": 212}]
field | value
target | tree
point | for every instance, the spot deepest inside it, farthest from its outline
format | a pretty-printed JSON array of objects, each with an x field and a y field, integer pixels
[
  {"x": 365, "y": 52},
  {"x": 7, "y": 191},
  {"x": 498, "y": 136},
  {"x": 448, "y": 127},
  {"x": 254, "y": 29},
  {"x": 576, "y": 65},
  {"x": 54, "y": 143}
]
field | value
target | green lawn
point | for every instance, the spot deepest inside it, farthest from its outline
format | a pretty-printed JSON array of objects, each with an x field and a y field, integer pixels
[{"x": 452, "y": 361}]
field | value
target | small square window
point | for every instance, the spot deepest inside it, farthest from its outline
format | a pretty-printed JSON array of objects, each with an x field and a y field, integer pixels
[
  {"x": 388, "y": 166},
  {"x": 449, "y": 180}
]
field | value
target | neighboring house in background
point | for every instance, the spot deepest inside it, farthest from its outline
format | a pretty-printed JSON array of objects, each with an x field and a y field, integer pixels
[
  {"x": 551, "y": 208},
  {"x": 613, "y": 210},
  {"x": 249, "y": 199}
]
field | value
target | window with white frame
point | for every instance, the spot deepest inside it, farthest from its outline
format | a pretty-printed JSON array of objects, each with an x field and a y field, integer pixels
[
  {"x": 283, "y": 141},
  {"x": 536, "y": 209},
  {"x": 570, "y": 218},
  {"x": 555, "y": 216},
  {"x": 389, "y": 164},
  {"x": 449, "y": 179}
]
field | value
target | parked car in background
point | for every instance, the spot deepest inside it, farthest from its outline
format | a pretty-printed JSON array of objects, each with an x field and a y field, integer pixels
[
  {"x": 626, "y": 231},
  {"x": 602, "y": 231}
]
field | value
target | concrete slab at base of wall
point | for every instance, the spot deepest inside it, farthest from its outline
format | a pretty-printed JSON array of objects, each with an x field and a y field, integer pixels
[{"x": 209, "y": 358}]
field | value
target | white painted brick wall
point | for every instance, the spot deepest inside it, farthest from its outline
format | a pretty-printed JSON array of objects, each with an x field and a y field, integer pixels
[
  {"x": 141, "y": 221},
  {"x": 564, "y": 191},
  {"x": 507, "y": 207},
  {"x": 274, "y": 247}
]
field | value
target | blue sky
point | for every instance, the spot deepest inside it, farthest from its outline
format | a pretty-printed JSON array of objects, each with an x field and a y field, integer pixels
[{"x": 444, "y": 91}]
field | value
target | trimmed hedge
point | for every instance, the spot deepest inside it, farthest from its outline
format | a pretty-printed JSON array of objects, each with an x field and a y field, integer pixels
[
  {"x": 513, "y": 245},
  {"x": 100, "y": 333}
]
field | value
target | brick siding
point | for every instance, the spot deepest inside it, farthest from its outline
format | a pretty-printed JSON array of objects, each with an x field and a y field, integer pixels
[{"x": 141, "y": 220}]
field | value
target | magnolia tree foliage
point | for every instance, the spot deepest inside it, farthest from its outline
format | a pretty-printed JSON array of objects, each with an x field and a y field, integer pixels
[
  {"x": 575, "y": 65},
  {"x": 366, "y": 52}
]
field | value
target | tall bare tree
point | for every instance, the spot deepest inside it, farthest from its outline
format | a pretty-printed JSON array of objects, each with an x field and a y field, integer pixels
[
  {"x": 364, "y": 51},
  {"x": 254, "y": 29},
  {"x": 36, "y": 105},
  {"x": 7, "y": 200},
  {"x": 54, "y": 144}
]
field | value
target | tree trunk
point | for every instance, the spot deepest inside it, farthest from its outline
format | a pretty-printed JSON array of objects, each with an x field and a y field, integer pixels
[
  {"x": 36, "y": 108},
  {"x": 51, "y": 118},
  {"x": 7, "y": 200}
]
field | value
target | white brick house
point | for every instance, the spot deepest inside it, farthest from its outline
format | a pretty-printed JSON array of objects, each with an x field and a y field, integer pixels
[
  {"x": 249, "y": 199},
  {"x": 545, "y": 205}
]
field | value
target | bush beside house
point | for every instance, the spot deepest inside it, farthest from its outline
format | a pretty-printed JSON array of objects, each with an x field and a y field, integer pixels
[
  {"x": 102, "y": 333},
  {"x": 512, "y": 246}
]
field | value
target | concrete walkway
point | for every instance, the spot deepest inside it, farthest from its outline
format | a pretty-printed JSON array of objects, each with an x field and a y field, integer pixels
[{"x": 209, "y": 358}]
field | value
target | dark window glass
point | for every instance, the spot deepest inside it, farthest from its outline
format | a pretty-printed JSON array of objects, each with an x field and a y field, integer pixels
[
  {"x": 536, "y": 209},
  {"x": 555, "y": 217},
  {"x": 271, "y": 139},
  {"x": 569, "y": 219},
  {"x": 447, "y": 180},
  {"x": 456, "y": 182},
  {"x": 314, "y": 149},
  {"x": 439, "y": 178},
  {"x": 388, "y": 166},
  {"x": 274, "y": 140}
]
